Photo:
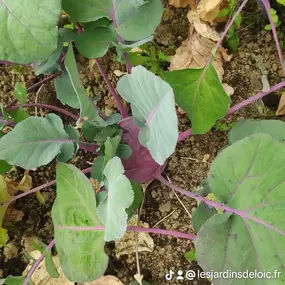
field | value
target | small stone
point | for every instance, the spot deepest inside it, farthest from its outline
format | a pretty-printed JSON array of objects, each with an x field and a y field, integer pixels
[
  {"x": 153, "y": 194},
  {"x": 247, "y": 67},
  {"x": 241, "y": 54},
  {"x": 165, "y": 207},
  {"x": 268, "y": 37},
  {"x": 274, "y": 67},
  {"x": 10, "y": 251}
]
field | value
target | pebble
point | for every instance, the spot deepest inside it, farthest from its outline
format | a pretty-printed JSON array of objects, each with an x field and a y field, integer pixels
[
  {"x": 274, "y": 67},
  {"x": 247, "y": 67},
  {"x": 153, "y": 194},
  {"x": 165, "y": 207}
]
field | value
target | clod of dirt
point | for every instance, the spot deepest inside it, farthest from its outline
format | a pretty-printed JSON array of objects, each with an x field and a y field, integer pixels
[{"x": 10, "y": 251}]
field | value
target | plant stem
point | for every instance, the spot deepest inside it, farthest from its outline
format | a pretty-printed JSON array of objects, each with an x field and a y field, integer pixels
[
  {"x": 267, "y": 6},
  {"x": 7, "y": 122},
  {"x": 242, "y": 214},
  {"x": 255, "y": 98},
  {"x": 112, "y": 90},
  {"x": 39, "y": 188},
  {"x": 135, "y": 229},
  {"x": 39, "y": 84},
  {"x": 37, "y": 262},
  {"x": 46, "y": 106}
]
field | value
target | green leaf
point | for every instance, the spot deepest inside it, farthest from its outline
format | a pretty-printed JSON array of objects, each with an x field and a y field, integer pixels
[
  {"x": 124, "y": 151},
  {"x": 201, "y": 215},
  {"x": 137, "y": 20},
  {"x": 75, "y": 205},
  {"x": 135, "y": 282},
  {"x": 20, "y": 93},
  {"x": 112, "y": 211},
  {"x": 113, "y": 119},
  {"x": 152, "y": 103},
  {"x": 138, "y": 197},
  {"x": 19, "y": 115},
  {"x": 4, "y": 166},
  {"x": 223, "y": 13},
  {"x": 238, "y": 20},
  {"x": 282, "y": 2},
  {"x": 4, "y": 197},
  {"x": 87, "y": 108},
  {"x": 34, "y": 142},
  {"x": 90, "y": 131},
  {"x": 26, "y": 34},
  {"x": 247, "y": 176},
  {"x": 111, "y": 146},
  {"x": 244, "y": 128},
  {"x": 87, "y": 10},
  {"x": 95, "y": 42},
  {"x": 98, "y": 168},
  {"x": 107, "y": 132},
  {"x": 103, "y": 22},
  {"x": 65, "y": 92},
  {"x": 191, "y": 255},
  {"x": 73, "y": 134},
  {"x": 50, "y": 266},
  {"x": 203, "y": 98},
  {"x": 12, "y": 280}
]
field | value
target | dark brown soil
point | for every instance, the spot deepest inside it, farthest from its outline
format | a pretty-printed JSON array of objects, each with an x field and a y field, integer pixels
[{"x": 187, "y": 167}]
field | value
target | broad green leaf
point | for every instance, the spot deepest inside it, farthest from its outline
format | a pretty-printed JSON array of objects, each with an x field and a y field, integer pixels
[
  {"x": 65, "y": 92},
  {"x": 244, "y": 128},
  {"x": 247, "y": 176},
  {"x": 4, "y": 197},
  {"x": 87, "y": 108},
  {"x": 87, "y": 10},
  {"x": 138, "y": 197},
  {"x": 90, "y": 131},
  {"x": 124, "y": 151},
  {"x": 103, "y": 22},
  {"x": 26, "y": 33},
  {"x": 111, "y": 146},
  {"x": 34, "y": 142},
  {"x": 98, "y": 168},
  {"x": 201, "y": 215},
  {"x": 12, "y": 280},
  {"x": 20, "y": 93},
  {"x": 68, "y": 35},
  {"x": 191, "y": 255},
  {"x": 49, "y": 64},
  {"x": 112, "y": 211},
  {"x": 4, "y": 166},
  {"x": 137, "y": 20},
  {"x": 202, "y": 98},
  {"x": 95, "y": 42},
  {"x": 152, "y": 103},
  {"x": 75, "y": 206}
]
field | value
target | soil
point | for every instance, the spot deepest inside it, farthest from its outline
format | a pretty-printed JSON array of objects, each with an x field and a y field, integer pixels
[{"x": 187, "y": 167}]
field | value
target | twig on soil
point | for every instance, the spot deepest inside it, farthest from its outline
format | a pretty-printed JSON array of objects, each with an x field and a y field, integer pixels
[
  {"x": 41, "y": 187},
  {"x": 38, "y": 262},
  {"x": 46, "y": 106},
  {"x": 36, "y": 99},
  {"x": 112, "y": 90},
  {"x": 164, "y": 218}
]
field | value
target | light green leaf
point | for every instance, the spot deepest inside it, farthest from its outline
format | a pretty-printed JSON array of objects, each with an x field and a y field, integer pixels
[
  {"x": 87, "y": 10},
  {"x": 112, "y": 211},
  {"x": 137, "y": 20},
  {"x": 34, "y": 142},
  {"x": 249, "y": 177},
  {"x": 98, "y": 168},
  {"x": 20, "y": 93},
  {"x": 12, "y": 280},
  {"x": 87, "y": 108},
  {"x": 95, "y": 42},
  {"x": 50, "y": 266},
  {"x": 152, "y": 103},
  {"x": 113, "y": 119},
  {"x": 202, "y": 98},
  {"x": 282, "y": 2},
  {"x": 103, "y": 22},
  {"x": 19, "y": 115},
  {"x": 75, "y": 205},
  {"x": 244, "y": 128},
  {"x": 138, "y": 197},
  {"x": 4, "y": 166},
  {"x": 191, "y": 255},
  {"x": 26, "y": 33},
  {"x": 73, "y": 134},
  {"x": 65, "y": 91},
  {"x": 107, "y": 132},
  {"x": 111, "y": 146}
]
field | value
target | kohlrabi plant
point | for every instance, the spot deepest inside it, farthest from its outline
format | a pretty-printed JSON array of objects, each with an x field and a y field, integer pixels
[{"x": 242, "y": 229}]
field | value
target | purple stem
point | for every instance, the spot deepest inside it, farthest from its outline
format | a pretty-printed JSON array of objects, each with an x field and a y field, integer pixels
[
  {"x": 116, "y": 97},
  {"x": 30, "y": 89},
  {"x": 267, "y": 6},
  {"x": 184, "y": 135},
  {"x": 39, "y": 188},
  {"x": 255, "y": 98},
  {"x": 135, "y": 229},
  {"x": 121, "y": 40},
  {"x": 46, "y": 106},
  {"x": 37, "y": 262},
  {"x": 6, "y": 122},
  {"x": 218, "y": 205}
]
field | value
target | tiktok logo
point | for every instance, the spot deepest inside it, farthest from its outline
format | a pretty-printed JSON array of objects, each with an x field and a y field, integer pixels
[{"x": 169, "y": 275}]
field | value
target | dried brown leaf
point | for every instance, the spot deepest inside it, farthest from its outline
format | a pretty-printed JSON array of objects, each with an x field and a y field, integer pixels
[
  {"x": 195, "y": 52},
  {"x": 127, "y": 244},
  {"x": 209, "y": 9},
  {"x": 104, "y": 280},
  {"x": 183, "y": 3},
  {"x": 281, "y": 107}
]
